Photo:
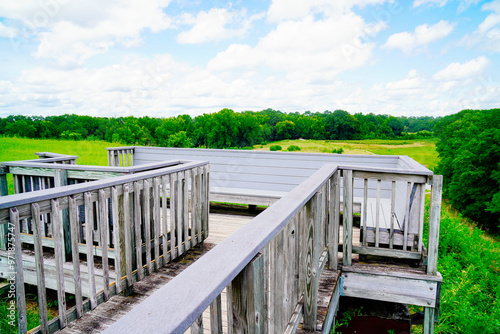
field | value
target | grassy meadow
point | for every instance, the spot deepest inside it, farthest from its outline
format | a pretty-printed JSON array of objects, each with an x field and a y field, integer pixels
[
  {"x": 422, "y": 150},
  {"x": 89, "y": 152}
]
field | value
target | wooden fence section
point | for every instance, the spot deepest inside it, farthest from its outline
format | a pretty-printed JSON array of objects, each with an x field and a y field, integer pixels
[
  {"x": 123, "y": 156},
  {"x": 121, "y": 229},
  {"x": 270, "y": 267}
]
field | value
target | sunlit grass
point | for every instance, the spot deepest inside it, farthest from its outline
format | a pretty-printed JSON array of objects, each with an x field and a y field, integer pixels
[{"x": 422, "y": 150}]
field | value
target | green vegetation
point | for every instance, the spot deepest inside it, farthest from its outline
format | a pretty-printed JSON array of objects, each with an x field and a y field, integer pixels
[
  {"x": 89, "y": 152},
  {"x": 469, "y": 147},
  {"x": 275, "y": 148},
  {"x": 293, "y": 148},
  {"x": 223, "y": 129},
  {"x": 338, "y": 150},
  {"x": 469, "y": 261}
]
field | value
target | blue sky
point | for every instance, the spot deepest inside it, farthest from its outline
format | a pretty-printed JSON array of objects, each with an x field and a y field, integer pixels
[{"x": 166, "y": 57}]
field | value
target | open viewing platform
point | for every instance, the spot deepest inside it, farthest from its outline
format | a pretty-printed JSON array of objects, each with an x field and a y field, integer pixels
[{"x": 132, "y": 247}]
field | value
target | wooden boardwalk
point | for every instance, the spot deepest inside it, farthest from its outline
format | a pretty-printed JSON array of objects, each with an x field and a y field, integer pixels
[{"x": 221, "y": 226}]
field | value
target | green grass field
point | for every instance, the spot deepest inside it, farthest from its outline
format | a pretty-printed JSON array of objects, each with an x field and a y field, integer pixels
[
  {"x": 89, "y": 152},
  {"x": 422, "y": 150}
]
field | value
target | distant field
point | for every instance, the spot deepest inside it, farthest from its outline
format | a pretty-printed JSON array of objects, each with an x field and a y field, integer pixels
[
  {"x": 422, "y": 150},
  {"x": 89, "y": 152}
]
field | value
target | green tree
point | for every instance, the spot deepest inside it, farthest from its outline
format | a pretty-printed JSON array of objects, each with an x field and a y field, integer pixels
[
  {"x": 284, "y": 130},
  {"x": 179, "y": 139},
  {"x": 469, "y": 147}
]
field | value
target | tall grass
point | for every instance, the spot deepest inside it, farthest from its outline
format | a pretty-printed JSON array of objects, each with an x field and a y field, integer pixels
[{"x": 469, "y": 261}]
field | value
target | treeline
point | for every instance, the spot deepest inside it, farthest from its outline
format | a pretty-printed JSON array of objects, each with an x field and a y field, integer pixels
[
  {"x": 223, "y": 129},
  {"x": 469, "y": 148}
]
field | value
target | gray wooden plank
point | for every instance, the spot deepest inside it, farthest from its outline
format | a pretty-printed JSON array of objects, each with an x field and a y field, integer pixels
[
  {"x": 104, "y": 224},
  {"x": 19, "y": 275},
  {"x": 42, "y": 293},
  {"x": 58, "y": 253},
  {"x": 75, "y": 255},
  {"x": 89, "y": 239},
  {"x": 434, "y": 218}
]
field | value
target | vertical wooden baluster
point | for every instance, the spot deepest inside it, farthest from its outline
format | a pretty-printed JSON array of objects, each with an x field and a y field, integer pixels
[
  {"x": 165, "y": 183},
  {"x": 173, "y": 216},
  {"x": 197, "y": 326},
  {"x": 206, "y": 199},
  {"x": 129, "y": 230},
  {"x": 89, "y": 223},
  {"x": 216, "y": 316},
  {"x": 156, "y": 220},
  {"x": 147, "y": 222},
  {"x": 347, "y": 217},
  {"x": 280, "y": 282},
  {"x": 73, "y": 221},
  {"x": 365, "y": 207},
  {"x": 117, "y": 228},
  {"x": 407, "y": 214},
  {"x": 377, "y": 215},
  {"x": 313, "y": 209},
  {"x": 40, "y": 270},
  {"x": 180, "y": 213},
  {"x": 393, "y": 212},
  {"x": 122, "y": 152},
  {"x": 58, "y": 253},
  {"x": 185, "y": 210},
  {"x": 104, "y": 221},
  {"x": 421, "y": 219},
  {"x": 334, "y": 224},
  {"x": 20, "y": 294},
  {"x": 247, "y": 294},
  {"x": 199, "y": 203},
  {"x": 194, "y": 223},
  {"x": 137, "y": 227}
]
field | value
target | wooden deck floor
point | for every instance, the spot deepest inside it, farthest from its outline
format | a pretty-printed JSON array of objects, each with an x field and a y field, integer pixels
[{"x": 221, "y": 226}]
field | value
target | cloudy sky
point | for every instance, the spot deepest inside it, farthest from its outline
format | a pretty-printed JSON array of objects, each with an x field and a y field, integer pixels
[{"x": 167, "y": 57}]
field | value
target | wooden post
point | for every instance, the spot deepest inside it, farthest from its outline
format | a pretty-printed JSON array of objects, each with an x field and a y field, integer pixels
[
  {"x": 4, "y": 191},
  {"x": 60, "y": 180},
  {"x": 313, "y": 210},
  {"x": 247, "y": 298},
  {"x": 20, "y": 293},
  {"x": 333, "y": 225},
  {"x": 216, "y": 316},
  {"x": 58, "y": 254},
  {"x": 40, "y": 271},
  {"x": 347, "y": 217},
  {"x": 434, "y": 218},
  {"x": 428, "y": 320}
]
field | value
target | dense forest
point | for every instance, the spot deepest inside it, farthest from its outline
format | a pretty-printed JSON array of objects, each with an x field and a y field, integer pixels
[
  {"x": 223, "y": 129},
  {"x": 469, "y": 148}
]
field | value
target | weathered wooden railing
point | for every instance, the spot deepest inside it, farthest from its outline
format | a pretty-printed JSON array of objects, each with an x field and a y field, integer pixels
[
  {"x": 270, "y": 267},
  {"x": 145, "y": 220},
  {"x": 121, "y": 156}
]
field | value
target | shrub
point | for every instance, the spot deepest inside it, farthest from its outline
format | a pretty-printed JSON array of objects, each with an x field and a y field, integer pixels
[
  {"x": 275, "y": 148},
  {"x": 292, "y": 148},
  {"x": 338, "y": 150}
]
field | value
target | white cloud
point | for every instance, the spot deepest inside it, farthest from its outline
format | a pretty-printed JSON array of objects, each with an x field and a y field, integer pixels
[
  {"x": 9, "y": 32},
  {"x": 423, "y": 35},
  {"x": 487, "y": 34},
  {"x": 439, "y": 3},
  {"x": 73, "y": 31},
  {"x": 457, "y": 71},
  {"x": 306, "y": 49},
  {"x": 281, "y": 10},
  {"x": 214, "y": 25}
]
